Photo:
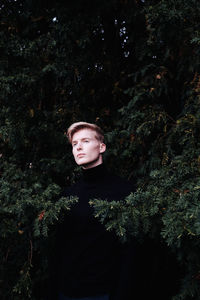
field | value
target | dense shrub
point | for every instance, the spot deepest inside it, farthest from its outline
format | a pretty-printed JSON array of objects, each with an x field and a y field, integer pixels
[{"x": 132, "y": 67}]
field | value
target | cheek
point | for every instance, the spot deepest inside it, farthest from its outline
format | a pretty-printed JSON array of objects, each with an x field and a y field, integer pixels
[
  {"x": 95, "y": 150},
  {"x": 73, "y": 152}
]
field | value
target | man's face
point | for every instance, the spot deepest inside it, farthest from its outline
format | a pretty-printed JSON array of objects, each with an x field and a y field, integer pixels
[{"x": 87, "y": 149}]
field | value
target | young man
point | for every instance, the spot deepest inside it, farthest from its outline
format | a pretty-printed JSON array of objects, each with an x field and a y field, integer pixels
[{"x": 91, "y": 262}]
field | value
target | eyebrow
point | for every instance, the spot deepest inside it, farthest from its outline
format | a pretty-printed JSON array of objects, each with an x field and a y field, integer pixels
[{"x": 85, "y": 138}]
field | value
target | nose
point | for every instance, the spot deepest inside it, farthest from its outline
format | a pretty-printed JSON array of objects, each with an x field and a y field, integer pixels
[{"x": 79, "y": 146}]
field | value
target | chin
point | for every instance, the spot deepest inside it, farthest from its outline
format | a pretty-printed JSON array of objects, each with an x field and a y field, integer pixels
[{"x": 82, "y": 163}]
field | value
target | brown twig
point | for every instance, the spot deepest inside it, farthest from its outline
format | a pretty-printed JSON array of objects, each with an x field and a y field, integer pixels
[
  {"x": 7, "y": 253},
  {"x": 31, "y": 253}
]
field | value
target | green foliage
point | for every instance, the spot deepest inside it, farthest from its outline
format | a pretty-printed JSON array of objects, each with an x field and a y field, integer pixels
[
  {"x": 28, "y": 209},
  {"x": 132, "y": 67}
]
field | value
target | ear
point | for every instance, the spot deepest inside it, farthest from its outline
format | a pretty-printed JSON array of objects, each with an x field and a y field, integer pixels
[{"x": 102, "y": 147}]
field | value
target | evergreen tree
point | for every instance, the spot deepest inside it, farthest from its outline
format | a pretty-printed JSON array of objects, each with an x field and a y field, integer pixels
[{"x": 132, "y": 67}]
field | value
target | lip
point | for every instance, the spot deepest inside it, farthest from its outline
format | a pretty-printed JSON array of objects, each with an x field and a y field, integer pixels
[{"x": 80, "y": 155}]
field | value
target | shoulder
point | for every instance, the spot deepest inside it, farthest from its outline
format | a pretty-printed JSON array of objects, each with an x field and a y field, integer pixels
[{"x": 119, "y": 185}]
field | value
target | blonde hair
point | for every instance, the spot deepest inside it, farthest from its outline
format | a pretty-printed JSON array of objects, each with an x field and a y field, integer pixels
[{"x": 82, "y": 125}]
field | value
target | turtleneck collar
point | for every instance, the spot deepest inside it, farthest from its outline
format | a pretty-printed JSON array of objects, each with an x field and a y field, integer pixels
[{"x": 94, "y": 174}]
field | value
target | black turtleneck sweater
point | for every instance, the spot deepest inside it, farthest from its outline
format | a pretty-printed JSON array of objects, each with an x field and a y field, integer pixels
[{"x": 90, "y": 259}]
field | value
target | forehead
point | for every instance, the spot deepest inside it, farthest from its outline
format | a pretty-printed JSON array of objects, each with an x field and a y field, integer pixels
[{"x": 84, "y": 133}]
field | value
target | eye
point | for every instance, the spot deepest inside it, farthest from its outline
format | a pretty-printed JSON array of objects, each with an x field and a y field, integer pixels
[{"x": 86, "y": 141}]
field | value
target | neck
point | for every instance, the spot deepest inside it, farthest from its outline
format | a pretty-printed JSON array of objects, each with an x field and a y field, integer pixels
[
  {"x": 95, "y": 173},
  {"x": 93, "y": 164}
]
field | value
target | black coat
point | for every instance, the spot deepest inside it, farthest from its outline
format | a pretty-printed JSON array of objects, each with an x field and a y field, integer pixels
[{"x": 88, "y": 260}]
